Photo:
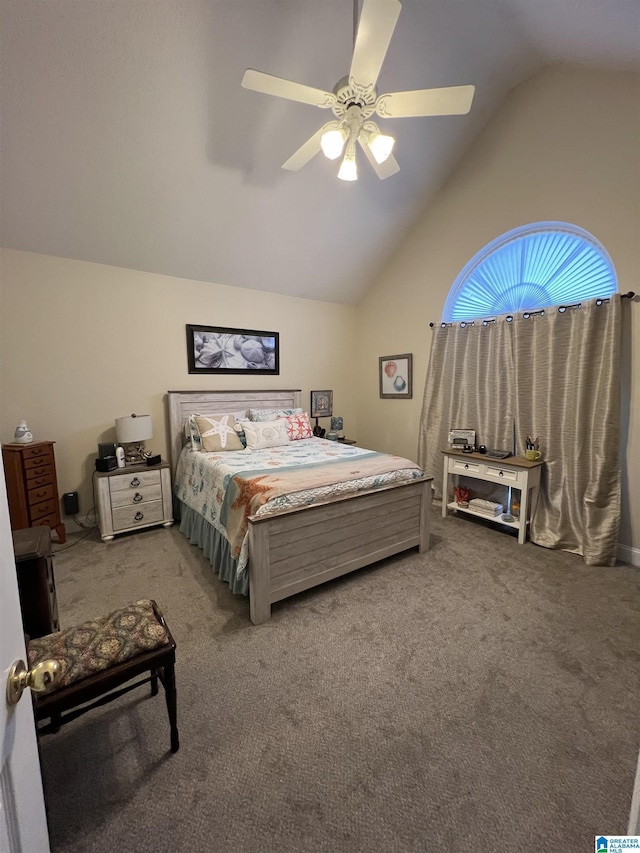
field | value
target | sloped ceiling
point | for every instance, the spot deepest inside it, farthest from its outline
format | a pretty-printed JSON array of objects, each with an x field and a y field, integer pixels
[{"x": 127, "y": 138}]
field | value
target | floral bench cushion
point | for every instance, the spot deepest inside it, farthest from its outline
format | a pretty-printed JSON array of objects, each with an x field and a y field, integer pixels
[{"x": 100, "y": 643}]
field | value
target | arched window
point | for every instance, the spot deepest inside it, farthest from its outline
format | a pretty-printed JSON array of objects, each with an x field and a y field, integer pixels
[{"x": 531, "y": 267}]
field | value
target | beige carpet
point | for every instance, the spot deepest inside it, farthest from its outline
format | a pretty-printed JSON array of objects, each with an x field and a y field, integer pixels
[{"x": 482, "y": 696}]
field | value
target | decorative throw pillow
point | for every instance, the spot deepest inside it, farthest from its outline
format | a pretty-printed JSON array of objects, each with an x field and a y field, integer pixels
[
  {"x": 217, "y": 432},
  {"x": 194, "y": 435},
  {"x": 298, "y": 426},
  {"x": 271, "y": 414},
  {"x": 265, "y": 434}
]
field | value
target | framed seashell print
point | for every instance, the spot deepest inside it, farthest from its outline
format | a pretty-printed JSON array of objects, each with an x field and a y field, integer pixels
[
  {"x": 218, "y": 349},
  {"x": 396, "y": 380}
]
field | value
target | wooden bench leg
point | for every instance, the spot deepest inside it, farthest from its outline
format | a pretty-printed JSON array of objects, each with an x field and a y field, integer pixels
[{"x": 169, "y": 683}]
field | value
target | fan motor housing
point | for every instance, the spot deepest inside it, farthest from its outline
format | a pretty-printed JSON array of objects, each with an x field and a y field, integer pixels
[{"x": 349, "y": 93}]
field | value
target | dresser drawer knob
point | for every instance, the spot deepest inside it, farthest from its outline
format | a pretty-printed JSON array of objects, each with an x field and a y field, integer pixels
[
  {"x": 139, "y": 516},
  {"x": 137, "y": 498},
  {"x": 500, "y": 473},
  {"x": 135, "y": 482}
]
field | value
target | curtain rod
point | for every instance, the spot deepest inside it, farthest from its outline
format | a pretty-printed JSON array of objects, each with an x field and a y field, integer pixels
[{"x": 628, "y": 295}]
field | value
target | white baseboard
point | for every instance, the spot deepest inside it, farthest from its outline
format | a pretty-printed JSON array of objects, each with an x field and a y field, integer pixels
[{"x": 629, "y": 555}]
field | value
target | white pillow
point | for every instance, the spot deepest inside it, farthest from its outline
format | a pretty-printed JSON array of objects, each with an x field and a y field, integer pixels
[
  {"x": 271, "y": 414},
  {"x": 265, "y": 434}
]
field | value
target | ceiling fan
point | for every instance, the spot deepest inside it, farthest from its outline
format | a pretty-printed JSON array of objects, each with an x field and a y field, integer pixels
[{"x": 354, "y": 99}]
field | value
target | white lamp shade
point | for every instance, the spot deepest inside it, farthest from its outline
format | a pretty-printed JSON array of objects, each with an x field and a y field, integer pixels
[
  {"x": 380, "y": 146},
  {"x": 332, "y": 143},
  {"x": 134, "y": 428}
]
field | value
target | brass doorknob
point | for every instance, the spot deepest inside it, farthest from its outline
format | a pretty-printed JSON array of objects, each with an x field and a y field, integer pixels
[{"x": 38, "y": 679}]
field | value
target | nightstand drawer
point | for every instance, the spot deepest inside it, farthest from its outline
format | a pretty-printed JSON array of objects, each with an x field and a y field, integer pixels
[
  {"x": 40, "y": 493},
  {"x": 133, "y": 516},
  {"x": 501, "y": 475},
  {"x": 133, "y": 480},
  {"x": 131, "y": 497}
]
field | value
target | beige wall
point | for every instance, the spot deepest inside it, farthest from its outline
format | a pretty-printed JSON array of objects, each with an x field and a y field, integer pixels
[
  {"x": 82, "y": 344},
  {"x": 565, "y": 146}
]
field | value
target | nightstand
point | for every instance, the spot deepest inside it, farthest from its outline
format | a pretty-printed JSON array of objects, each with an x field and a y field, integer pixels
[{"x": 132, "y": 498}]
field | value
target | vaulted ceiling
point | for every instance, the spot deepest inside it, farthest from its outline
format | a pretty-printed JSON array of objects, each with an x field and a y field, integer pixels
[{"x": 127, "y": 138}]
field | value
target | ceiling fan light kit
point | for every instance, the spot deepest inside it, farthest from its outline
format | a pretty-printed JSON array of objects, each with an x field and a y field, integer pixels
[{"x": 354, "y": 99}]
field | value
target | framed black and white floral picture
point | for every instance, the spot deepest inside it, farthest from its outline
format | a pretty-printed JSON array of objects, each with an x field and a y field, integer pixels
[
  {"x": 218, "y": 349},
  {"x": 396, "y": 376}
]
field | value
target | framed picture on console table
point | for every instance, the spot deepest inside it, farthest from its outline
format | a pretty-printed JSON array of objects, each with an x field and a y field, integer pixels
[
  {"x": 396, "y": 376},
  {"x": 219, "y": 349}
]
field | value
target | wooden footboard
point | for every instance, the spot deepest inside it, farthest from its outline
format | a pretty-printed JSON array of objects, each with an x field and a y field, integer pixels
[{"x": 302, "y": 548}]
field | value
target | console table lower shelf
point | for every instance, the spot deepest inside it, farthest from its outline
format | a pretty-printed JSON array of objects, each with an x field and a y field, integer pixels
[{"x": 514, "y": 472}]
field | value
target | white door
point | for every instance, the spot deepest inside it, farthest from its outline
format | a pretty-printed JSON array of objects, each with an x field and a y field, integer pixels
[{"x": 23, "y": 823}]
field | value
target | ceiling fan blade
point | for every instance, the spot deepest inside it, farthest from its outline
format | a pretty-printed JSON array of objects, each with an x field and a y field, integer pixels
[
  {"x": 307, "y": 150},
  {"x": 377, "y": 22},
  {"x": 258, "y": 81},
  {"x": 452, "y": 100},
  {"x": 382, "y": 170}
]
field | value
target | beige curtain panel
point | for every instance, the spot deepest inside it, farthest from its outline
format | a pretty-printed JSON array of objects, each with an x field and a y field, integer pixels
[{"x": 555, "y": 376}]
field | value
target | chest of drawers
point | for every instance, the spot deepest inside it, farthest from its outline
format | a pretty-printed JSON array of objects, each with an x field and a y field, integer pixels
[
  {"x": 32, "y": 488},
  {"x": 133, "y": 498}
]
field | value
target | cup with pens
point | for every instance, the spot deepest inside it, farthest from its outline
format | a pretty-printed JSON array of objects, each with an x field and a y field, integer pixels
[{"x": 532, "y": 449}]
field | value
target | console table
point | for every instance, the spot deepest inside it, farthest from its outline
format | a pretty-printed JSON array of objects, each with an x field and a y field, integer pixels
[{"x": 514, "y": 471}]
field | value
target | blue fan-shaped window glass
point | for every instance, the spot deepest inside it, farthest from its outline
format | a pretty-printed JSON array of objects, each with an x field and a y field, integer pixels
[{"x": 532, "y": 267}]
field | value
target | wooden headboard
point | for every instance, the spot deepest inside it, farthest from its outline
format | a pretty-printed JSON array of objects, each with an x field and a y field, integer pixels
[{"x": 182, "y": 404}]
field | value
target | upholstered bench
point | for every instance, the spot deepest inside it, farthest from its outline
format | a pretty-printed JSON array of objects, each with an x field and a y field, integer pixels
[{"x": 99, "y": 656}]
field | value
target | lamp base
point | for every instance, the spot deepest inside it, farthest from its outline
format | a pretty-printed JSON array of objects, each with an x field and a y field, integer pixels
[{"x": 136, "y": 454}]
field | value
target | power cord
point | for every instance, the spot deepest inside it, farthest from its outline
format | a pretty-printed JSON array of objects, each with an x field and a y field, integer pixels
[{"x": 73, "y": 544}]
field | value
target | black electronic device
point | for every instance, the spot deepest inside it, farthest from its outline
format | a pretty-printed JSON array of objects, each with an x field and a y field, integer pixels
[
  {"x": 71, "y": 503},
  {"x": 108, "y": 449},
  {"x": 106, "y": 463},
  {"x": 154, "y": 460}
]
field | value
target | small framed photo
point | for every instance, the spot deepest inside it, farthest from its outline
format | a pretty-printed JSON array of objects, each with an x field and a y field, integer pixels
[
  {"x": 396, "y": 376},
  {"x": 321, "y": 404},
  {"x": 218, "y": 349}
]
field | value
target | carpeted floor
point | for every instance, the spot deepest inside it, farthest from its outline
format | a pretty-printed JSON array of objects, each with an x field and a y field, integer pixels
[{"x": 482, "y": 696}]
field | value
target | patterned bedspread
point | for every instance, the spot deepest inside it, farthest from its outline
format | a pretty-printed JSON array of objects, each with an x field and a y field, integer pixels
[{"x": 226, "y": 488}]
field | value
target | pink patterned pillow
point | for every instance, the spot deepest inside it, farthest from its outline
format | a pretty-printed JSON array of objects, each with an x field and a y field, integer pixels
[{"x": 298, "y": 426}]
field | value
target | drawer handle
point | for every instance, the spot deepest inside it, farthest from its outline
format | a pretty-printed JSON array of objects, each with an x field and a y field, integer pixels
[
  {"x": 135, "y": 482},
  {"x": 137, "y": 498},
  {"x": 500, "y": 474},
  {"x": 139, "y": 516}
]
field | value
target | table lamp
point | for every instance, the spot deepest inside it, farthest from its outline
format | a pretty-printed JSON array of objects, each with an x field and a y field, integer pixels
[{"x": 132, "y": 432}]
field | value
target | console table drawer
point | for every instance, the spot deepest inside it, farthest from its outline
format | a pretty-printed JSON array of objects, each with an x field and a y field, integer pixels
[
  {"x": 464, "y": 466},
  {"x": 501, "y": 475},
  {"x": 133, "y": 516},
  {"x": 131, "y": 497}
]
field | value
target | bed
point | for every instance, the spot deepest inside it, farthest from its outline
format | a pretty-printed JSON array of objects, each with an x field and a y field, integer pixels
[{"x": 297, "y": 547}]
